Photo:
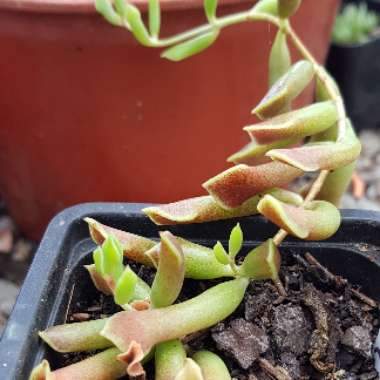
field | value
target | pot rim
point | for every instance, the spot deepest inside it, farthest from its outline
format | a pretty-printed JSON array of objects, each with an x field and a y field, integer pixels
[{"x": 87, "y": 6}]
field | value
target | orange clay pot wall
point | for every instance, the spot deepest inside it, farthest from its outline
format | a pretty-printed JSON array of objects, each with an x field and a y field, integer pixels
[{"x": 89, "y": 115}]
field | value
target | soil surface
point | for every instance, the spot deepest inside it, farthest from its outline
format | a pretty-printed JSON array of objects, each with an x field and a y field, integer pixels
[{"x": 323, "y": 329}]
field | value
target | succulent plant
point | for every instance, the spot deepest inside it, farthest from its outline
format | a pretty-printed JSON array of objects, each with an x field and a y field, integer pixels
[
  {"x": 354, "y": 24},
  {"x": 284, "y": 145}
]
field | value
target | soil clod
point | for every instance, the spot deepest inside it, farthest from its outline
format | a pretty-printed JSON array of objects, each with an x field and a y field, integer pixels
[
  {"x": 358, "y": 339},
  {"x": 243, "y": 341}
]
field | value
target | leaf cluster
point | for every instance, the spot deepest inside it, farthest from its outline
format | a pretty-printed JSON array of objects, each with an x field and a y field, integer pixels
[{"x": 354, "y": 24}]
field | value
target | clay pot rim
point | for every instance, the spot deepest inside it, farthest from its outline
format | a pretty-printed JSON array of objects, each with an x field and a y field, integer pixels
[{"x": 87, "y": 6}]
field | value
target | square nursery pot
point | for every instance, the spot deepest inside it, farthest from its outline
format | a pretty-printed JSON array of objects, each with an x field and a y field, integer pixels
[
  {"x": 356, "y": 68},
  {"x": 82, "y": 101},
  {"x": 353, "y": 252}
]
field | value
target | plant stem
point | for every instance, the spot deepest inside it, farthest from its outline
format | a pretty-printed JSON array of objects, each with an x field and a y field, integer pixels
[
  {"x": 324, "y": 78},
  {"x": 219, "y": 23}
]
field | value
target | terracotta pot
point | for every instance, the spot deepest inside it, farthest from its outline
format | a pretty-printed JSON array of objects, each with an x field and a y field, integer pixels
[{"x": 87, "y": 114}]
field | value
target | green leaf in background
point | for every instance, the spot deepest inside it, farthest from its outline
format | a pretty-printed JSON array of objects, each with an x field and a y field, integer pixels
[
  {"x": 105, "y": 8},
  {"x": 354, "y": 24},
  {"x": 210, "y": 9},
  {"x": 236, "y": 241},
  {"x": 137, "y": 26},
  {"x": 287, "y": 8},
  {"x": 220, "y": 253},
  {"x": 125, "y": 286},
  {"x": 191, "y": 47},
  {"x": 154, "y": 17},
  {"x": 112, "y": 257}
]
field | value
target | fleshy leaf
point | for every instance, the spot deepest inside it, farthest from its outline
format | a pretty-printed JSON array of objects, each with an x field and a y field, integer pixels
[
  {"x": 297, "y": 124},
  {"x": 212, "y": 366},
  {"x": 133, "y": 358},
  {"x": 210, "y": 9},
  {"x": 191, "y": 47},
  {"x": 76, "y": 337},
  {"x": 200, "y": 261},
  {"x": 102, "y": 366},
  {"x": 336, "y": 184},
  {"x": 287, "y": 8},
  {"x": 125, "y": 286},
  {"x": 234, "y": 186},
  {"x": 262, "y": 263},
  {"x": 121, "y": 8},
  {"x": 317, "y": 220},
  {"x": 203, "y": 209},
  {"x": 112, "y": 262},
  {"x": 197, "y": 210},
  {"x": 150, "y": 327},
  {"x": 105, "y": 8},
  {"x": 190, "y": 371},
  {"x": 169, "y": 359},
  {"x": 254, "y": 153},
  {"x": 338, "y": 180},
  {"x": 266, "y": 6},
  {"x": 99, "y": 281},
  {"x": 221, "y": 254},
  {"x": 41, "y": 372},
  {"x": 321, "y": 155},
  {"x": 170, "y": 274},
  {"x": 321, "y": 93},
  {"x": 137, "y": 25},
  {"x": 134, "y": 246},
  {"x": 97, "y": 256},
  {"x": 154, "y": 17},
  {"x": 279, "y": 59},
  {"x": 236, "y": 241},
  {"x": 287, "y": 88}
]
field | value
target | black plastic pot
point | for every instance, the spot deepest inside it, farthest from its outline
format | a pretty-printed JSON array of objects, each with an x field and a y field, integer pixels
[
  {"x": 354, "y": 252},
  {"x": 356, "y": 68}
]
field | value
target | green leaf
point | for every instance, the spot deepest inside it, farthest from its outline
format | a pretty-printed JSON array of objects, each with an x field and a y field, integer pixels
[
  {"x": 112, "y": 257},
  {"x": 191, "y": 47},
  {"x": 125, "y": 286},
  {"x": 267, "y": 6},
  {"x": 210, "y": 9},
  {"x": 279, "y": 59},
  {"x": 170, "y": 273},
  {"x": 236, "y": 241},
  {"x": 105, "y": 8},
  {"x": 169, "y": 359},
  {"x": 137, "y": 26},
  {"x": 154, "y": 326},
  {"x": 262, "y": 263},
  {"x": 212, "y": 366},
  {"x": 154, "y": 17},
  {"x": 285, "y": 90},
  {"x": 287, "y": 8},
  {"x": 221, "y": 254},
  {"x": 98, "y": 260},
  {"x": 121, "y": 8}
]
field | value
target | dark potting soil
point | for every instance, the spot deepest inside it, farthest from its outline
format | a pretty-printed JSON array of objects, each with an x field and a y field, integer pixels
[{"x": 323, "y": 329}]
